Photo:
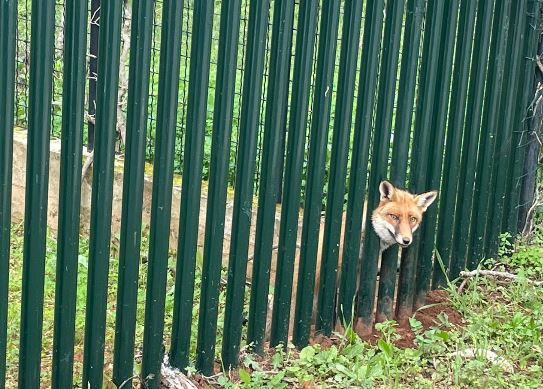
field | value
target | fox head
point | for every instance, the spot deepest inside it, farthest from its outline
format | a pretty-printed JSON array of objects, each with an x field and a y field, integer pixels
[{"x": 399, "y": 214}]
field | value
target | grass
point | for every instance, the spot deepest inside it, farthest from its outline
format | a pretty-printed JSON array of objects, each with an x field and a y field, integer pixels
[
  {"x": 505, "y": 318},
  {"x": 14, "y": 313}
]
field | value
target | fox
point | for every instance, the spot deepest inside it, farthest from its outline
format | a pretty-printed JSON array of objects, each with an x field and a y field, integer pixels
[
  {"x": 395, "y": 219},
  {"x": 399, "y": 214}
]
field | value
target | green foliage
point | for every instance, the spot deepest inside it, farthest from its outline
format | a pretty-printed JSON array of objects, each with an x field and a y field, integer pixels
[
  {"x": 14, "y": 313},
  {"x": 504, "y": 318}
]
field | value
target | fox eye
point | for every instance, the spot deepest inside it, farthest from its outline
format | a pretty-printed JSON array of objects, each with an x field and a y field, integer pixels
[
  {"x": 394, "y": 217},
  {"x": 413, "y": 219}
]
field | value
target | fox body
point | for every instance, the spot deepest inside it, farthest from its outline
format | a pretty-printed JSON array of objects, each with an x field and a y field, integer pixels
[{"x": 395, "y": 219}]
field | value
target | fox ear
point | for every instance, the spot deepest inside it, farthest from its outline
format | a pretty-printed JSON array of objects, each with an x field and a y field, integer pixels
[
  {"x": 424, "y": 200},
  {"x": 387, "y": 190}
]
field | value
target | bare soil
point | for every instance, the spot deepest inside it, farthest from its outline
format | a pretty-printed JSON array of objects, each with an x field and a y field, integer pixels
[{"x": 437, "y": 303}]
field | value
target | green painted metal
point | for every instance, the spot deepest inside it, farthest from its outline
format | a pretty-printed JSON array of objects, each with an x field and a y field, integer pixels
[
  {"x": 275, "y": 121},
  {"x": 192, "y": 184},
  {"x": 472, "y": 146},
  {"x": 73, "y": 101},
  {"x": 102, "y": 194},
  {"x": 373, "y": 27},
  {"x": 402, "y": 132},
  {"x": 134, "y": 164},
  {"x": 421, "y": 145},
  {"x": 37, "y": 179},
  {"x": 379, "y": 161},
  {"x": 504, "y": 152},
  {"x": 481, "y": 49},
  {"x": 8, "y": 18},
  {"x": 451, "y": 169},
  {"x": 387, "y": 284},
  {"x": 320, "y": 122},
  {"x": 242, "y": 212},
  {"x": 520, "y": 140},
  {"x": 305, "y": 39},
  {"x": 435, "y": 155},
  {"x": 491, "y": 121}
]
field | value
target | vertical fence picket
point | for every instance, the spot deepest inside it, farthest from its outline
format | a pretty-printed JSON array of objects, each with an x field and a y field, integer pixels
[
  {"x": 379, "y": 164},
  {"x": 502, "y": 158},
  {"x": 435, "y": 153},
  {"x": 134, "y": 164},
  {"x": 520, "y": 140},
  {"x": 305, "y": 39},
  {"x": 315, "y": 172},
  {"x": 275, "y": 122},
  {"x": 192, "y": 184},
  {"x": 102, "y": 193},
  {"x": 373, "y": 27},
  {"x": 451, "y": 169},
  {"x": 37, "y": 184},
  {"x": 73, "y": 100},
  {"x": 491, "y": 119},
  {"x": 402, "y": 133},
  {"x": 479, "y": 66},
  {"x": 470, "y": 140},
  {"x": 421, "y": 143},
  {"x": 222, "y": 131},
  {"x": 242, "y": 212},
  {"x": 8, "y": 18}
]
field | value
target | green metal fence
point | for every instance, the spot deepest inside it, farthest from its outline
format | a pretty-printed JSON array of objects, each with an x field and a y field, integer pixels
[{"x": 322, "y": 99}]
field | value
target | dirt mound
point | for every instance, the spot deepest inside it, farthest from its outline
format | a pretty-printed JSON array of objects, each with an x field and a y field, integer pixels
[{"x": 437, "y": 303}]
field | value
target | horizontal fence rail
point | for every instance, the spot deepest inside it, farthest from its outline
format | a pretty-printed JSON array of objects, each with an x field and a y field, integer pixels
[{"x": 266, "y": 128}]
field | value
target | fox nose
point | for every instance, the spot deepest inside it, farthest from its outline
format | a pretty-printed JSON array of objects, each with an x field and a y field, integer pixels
[{"x": 406, "y": 241}]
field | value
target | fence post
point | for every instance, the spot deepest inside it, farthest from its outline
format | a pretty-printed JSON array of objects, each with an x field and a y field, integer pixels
[
  {"x": 451, "y": 169},
  {"x": 102, "y": 194},
  {"x": 73, "y": 117},
  {"x": 490, "y": 123},
  {"x": 479, "y": 66},
  {"x": 222, "y": 130},
  {"x": 373, "y": 27},
  {"x": 37, "y": 180},
  {"x": 402, "y": 132},
  {"x": 191, "y": 185},
  {"x": 317, "y": 158},
  {"x": 134, "y": 164},
  {"x": 502, "y": 157},
  {"x": 272, "y": 157},
  {"x": 379, "y": 162},
  {"x": 305, "y": 40},
  {"x": 242, "y": 212},
  {"x": 8, "y": 18},
  {"x": 421, "y": 144},
  {"x": 435, "y": 153}
]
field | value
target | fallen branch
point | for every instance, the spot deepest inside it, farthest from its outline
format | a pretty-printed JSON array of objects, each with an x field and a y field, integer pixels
[
  {"x": 173, "y": 378},
  {"x": 497, "y": 274}
]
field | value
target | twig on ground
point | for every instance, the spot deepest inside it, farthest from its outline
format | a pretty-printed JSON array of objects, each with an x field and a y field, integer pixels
[{"x": 497, "y": 274}]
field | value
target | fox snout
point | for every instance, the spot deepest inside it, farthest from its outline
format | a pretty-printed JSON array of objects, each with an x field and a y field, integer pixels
[{"x": 399, "y": 214}]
